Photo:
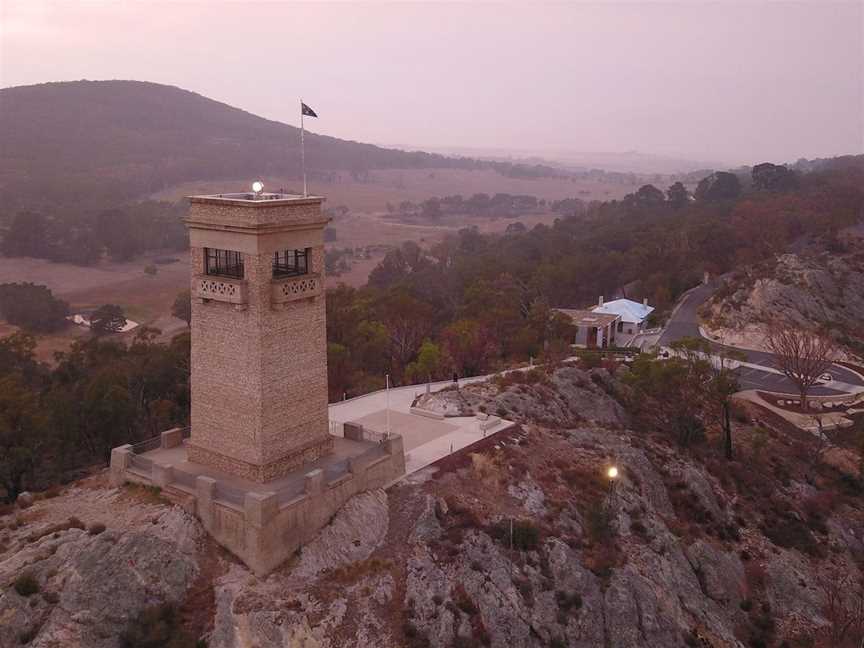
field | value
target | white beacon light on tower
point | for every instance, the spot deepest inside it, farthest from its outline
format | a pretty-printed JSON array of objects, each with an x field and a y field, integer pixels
[{"x": 257, "y": 186}]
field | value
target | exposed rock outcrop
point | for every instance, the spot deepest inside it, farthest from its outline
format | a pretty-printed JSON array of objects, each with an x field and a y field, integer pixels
[
  {"x": 519, "y": 543},
  {"x": 84, "y": 587},
  {"x": 809, "y": 289}
]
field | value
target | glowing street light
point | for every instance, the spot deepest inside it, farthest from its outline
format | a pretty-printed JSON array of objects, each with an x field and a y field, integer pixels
[
  {"x": 257, "y": 186},
  {"x": 612, "y": 474}
]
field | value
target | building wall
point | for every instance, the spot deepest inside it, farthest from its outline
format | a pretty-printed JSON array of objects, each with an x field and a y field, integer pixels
[
  {"x": 605, "y": 336},
  {"x": 259, "y": 367}
]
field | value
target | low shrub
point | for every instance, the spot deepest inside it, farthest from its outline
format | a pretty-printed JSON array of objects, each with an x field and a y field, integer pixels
[
  {"x": 158, "y": 626},
  {"x": 526, "y": 536},
  {"x": 27, "y": 635},
  {"x": 463, "y": 601},
  {"x": 51, "y": 597},
  {"x": 568, "y": 600},
  {"x": 96, "y": 528},
  {"x": 598, "y": 521},
  {"x": 26, "y": 584},
  {"x": 591, "y": 360}
]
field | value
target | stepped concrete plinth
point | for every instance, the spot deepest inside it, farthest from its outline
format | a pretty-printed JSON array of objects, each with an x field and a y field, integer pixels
[{"x": 262, "y": 523}]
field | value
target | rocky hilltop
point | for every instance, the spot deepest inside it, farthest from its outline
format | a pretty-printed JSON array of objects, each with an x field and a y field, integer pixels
[
  {"x": 520, "y": 541},
  {"x": 820, "y": 285}
]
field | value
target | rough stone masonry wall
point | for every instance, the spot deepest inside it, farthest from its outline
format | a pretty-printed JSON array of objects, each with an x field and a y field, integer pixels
[
  {"x": 225, "y": 412},
  {"x": 293, "y": 370},
  {"x": 259, "y": 370}
]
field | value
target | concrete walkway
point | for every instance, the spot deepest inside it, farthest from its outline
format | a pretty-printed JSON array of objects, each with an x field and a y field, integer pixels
[
  {"x": 426, "y": 440},
  {"x": 806, "y": 422}
]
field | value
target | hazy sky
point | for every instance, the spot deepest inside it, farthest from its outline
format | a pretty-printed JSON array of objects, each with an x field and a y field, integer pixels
[{"x": 723, "y": 81}]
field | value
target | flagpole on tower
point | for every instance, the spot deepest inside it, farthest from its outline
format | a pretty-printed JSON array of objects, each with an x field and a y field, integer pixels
[{"x": 302, "y": 149}]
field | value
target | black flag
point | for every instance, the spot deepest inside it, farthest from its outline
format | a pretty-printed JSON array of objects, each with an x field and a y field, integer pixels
[{"x": 306, "y": 110}]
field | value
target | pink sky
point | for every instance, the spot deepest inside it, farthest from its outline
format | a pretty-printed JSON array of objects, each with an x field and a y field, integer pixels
[{"x": 739, "y": 82}]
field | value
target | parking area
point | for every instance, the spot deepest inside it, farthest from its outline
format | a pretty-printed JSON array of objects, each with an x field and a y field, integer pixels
[{"x": 751, "y": 378}]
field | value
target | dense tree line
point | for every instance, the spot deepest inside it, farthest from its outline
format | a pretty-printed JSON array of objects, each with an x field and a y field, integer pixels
[
  {"x": 502, "y": 205},
  {"x": 32, "y": 307},
  {"x": 476, "y": 302},
  {"x": 98, "y": 395},
  {"x": 85, "y": 237}
]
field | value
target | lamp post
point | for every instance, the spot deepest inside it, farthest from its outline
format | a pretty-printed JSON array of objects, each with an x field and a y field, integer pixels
[{"x": 612, "y": 475}]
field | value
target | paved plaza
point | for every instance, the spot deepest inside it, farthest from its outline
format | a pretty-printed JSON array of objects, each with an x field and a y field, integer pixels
[{"x": 426, "y": 440}]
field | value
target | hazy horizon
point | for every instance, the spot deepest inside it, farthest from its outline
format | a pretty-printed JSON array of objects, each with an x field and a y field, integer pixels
[{"x": 727, "y": 82}]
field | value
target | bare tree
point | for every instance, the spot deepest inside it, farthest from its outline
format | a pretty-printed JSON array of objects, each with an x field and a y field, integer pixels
[
  {"x": 802, "y": 356},
  {"x": 844, "y": 609}
]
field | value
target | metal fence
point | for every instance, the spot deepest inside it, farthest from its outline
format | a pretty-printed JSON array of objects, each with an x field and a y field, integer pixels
[
  {"x": 141, "y": 464},
  {"x": 147, "y": 445}
]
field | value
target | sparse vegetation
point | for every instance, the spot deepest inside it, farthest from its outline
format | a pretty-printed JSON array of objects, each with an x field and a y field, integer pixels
[{"x": 158, "y": 626}]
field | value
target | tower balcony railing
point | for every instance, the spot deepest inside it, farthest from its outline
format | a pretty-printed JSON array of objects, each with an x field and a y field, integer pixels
[
  {"x": 288, "y": 289},
  {"x": 224, "y": 289}
]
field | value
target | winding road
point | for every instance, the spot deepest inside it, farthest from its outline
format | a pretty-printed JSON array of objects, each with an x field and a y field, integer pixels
[{"x": 684, "y": 322}]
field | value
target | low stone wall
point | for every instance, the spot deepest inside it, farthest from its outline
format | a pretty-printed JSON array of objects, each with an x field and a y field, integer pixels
[{"x": 264, "y": 529}]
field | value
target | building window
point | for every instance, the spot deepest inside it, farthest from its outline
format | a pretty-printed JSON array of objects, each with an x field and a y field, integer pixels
[
  {"x": 290, "y": 263},
  {"x": 225, "y": 263},
  {"x": 620, "y": 327}
]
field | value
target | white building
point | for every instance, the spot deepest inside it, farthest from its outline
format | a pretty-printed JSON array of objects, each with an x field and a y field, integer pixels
[{"x": 632, "y": 315}]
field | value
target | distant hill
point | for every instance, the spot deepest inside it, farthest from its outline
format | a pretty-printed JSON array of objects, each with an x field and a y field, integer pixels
[{"x": 98, "y": 142}]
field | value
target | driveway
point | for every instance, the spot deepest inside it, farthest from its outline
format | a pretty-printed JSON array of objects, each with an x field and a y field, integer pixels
[{"x": 684, "y": 322}]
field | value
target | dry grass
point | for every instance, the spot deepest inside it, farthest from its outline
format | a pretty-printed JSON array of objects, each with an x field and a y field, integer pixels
[
  {"x": 488, "y": 469},
  {"x": 145, "y": 494},
  {"x": 353, "y": 572}
]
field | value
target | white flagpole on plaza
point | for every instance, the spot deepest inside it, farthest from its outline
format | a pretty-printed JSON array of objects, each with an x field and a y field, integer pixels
[{"x": 302, "y": 149}]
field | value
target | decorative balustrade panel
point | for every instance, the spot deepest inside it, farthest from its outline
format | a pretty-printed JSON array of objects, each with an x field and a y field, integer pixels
[
  {"x": 294, "y": 288},
  {"x": 233, "y": 291}
]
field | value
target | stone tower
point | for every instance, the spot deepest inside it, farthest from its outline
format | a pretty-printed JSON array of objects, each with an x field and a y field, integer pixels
[{"x": 259, "y": 346}]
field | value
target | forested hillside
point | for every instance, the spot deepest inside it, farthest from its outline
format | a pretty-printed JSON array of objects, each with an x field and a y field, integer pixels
[
  {"x": 478, "y": 302},
  {"x": 472, "y": 304},
  {"x": 100, "y": 143}
]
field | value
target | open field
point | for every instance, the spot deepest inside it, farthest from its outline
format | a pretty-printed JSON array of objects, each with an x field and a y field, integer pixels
[
  {"x": 144, "y": 298},
  {"x": 395, "y": 185}
]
